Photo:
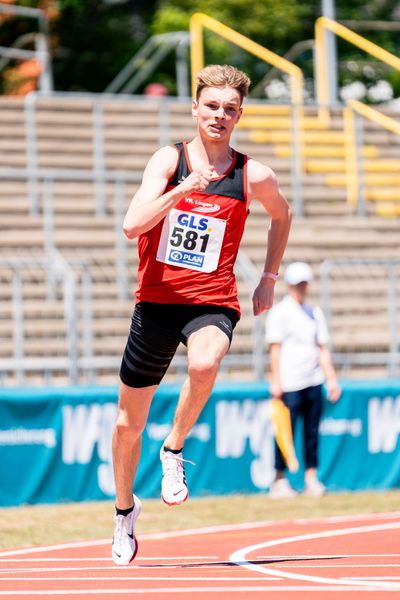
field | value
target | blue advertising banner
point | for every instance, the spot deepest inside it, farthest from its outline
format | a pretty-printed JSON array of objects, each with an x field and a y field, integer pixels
[{"x": 55, "y": 444}]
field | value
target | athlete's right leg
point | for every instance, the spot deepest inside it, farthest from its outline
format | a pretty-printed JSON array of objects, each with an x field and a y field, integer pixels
[
  {"x": 133, "y": 410},
  {"x": 148, "y": 353}
]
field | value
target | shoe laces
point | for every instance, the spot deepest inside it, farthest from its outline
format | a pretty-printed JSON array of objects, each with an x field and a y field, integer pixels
[
  {"x": 121, "y": 529},
  {"x": 173, "y": 468}
]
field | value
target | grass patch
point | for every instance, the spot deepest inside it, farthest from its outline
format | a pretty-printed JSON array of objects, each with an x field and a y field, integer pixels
[{"x": 50, "y": 524}]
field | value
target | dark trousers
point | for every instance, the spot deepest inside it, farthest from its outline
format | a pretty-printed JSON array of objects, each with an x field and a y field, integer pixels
[{"x": 307, "y": 404}]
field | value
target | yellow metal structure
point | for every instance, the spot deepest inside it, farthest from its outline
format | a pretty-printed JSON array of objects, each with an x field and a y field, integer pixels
[
  {"x": 375, "y": 115},
  {"x": 200, "y": 21},
  {"x": 321, "y": 52},
  {"x": 319, "y": 146},
  {"x": 352, "y": 166}
]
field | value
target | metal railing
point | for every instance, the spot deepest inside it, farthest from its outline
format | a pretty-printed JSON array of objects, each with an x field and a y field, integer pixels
[
  {"x": 41, "y": 202},
  {"x": 61, "y": 282},
  {"x": 200, "y": 21},
  {"x": 251, "y": 276},
  {"x": 68, "y": 284},
  {"x": 322, "y": 67},
  {"x": 143, "y": 64},
  {"x": 355, "y": 171},
  {"x": 370, "y": 293},
  {"x": 41, "y": 52},
  {"x": 99, "y": 174}
]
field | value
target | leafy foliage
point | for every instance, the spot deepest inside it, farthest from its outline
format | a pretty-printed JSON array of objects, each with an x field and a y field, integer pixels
[{"x": 93, "y": 39}]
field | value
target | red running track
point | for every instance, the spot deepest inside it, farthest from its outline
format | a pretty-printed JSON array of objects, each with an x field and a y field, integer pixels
[{"x": 356, "y": 557}]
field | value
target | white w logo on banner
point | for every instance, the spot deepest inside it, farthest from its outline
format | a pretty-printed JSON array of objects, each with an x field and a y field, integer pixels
[
  {"x": 239, "y": 422},
  {"x": 84, "y": 427},
  {"x": 383, "y": 424}
]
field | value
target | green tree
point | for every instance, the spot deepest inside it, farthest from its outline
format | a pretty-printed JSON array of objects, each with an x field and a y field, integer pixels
[
  {"x": 96, "y": 38},
  {"x": 278, "y": 25},
  {"x": 91, "y": 39},
  {"x": 273, "y": 24}
]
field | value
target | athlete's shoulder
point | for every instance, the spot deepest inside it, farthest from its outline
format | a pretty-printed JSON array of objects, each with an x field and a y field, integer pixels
[
  {"x": 259, "y": 173},
  {"x": 169, "y": 153},
  {"x": 164, "y": 160},
  {"x": 262, "y": 181}
]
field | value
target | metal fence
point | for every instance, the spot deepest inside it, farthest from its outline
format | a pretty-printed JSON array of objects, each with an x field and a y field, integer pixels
[
  {"x": 345, "y": 284},
  {"x": 53, "y": 287},
  {"x": 360, "y": 298},
  {"x": 99, "y": 173},
  {"x": 49, "y": 325}
]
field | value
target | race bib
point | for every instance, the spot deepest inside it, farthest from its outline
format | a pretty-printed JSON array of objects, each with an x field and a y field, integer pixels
[{"x": 191, "y": 241}]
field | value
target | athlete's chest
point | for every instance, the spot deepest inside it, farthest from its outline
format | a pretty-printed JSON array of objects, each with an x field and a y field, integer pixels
[
  {"x": 194, "y": 231},
  {"x": 211, "y": 205}
]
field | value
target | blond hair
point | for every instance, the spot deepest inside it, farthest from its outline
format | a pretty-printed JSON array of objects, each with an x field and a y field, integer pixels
[{"x": 221, "y": 76}]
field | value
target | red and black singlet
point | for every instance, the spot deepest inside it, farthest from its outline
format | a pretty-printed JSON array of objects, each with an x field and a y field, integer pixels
[{"x": 188, "y": 257}]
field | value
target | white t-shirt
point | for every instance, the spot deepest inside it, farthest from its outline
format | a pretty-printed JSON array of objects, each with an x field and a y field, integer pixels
[{"x": 300, "y": 329}]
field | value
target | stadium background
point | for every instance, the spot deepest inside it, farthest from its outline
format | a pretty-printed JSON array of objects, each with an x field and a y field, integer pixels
[{"x": 78, "y": 122}]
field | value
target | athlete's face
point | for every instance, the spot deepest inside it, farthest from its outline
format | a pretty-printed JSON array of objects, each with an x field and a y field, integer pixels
[{"x": 217, "y": 111}]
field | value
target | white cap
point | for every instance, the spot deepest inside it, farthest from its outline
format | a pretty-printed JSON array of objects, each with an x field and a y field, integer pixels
[{"x": 297, "y": 272}]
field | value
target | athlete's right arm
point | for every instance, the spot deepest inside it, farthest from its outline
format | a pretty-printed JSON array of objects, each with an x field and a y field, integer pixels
[{"x": 150, "y": 204}]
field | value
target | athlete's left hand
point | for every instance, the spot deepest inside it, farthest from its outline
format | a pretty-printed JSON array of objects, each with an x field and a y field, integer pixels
[{"x": 263, "y": 296}]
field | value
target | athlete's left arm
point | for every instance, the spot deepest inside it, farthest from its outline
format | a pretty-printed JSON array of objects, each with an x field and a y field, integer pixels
[{"x": 263, "y": 186}]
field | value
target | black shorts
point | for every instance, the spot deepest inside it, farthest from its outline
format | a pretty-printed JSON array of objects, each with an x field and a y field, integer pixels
[{"x": 155, "y": 334}]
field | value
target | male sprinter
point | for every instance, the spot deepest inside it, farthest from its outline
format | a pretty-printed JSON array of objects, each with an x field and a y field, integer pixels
[{"x": 189, "y": 214}]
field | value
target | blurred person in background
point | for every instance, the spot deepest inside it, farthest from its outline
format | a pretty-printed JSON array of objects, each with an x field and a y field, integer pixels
[
  {"x": 300, "y": 363},
  {"x": 189, "y": 215}
]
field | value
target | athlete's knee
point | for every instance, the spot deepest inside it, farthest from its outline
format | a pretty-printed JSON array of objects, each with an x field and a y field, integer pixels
[
  {"x": 203, "y": 366},
  {"x": 128, "y": 426}
]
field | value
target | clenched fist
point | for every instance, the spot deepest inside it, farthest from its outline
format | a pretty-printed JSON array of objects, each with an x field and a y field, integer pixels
[{"x": 197, "y": 181}]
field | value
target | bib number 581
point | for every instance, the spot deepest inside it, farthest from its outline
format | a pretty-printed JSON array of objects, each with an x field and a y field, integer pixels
[{"x": 189, "y": 239}]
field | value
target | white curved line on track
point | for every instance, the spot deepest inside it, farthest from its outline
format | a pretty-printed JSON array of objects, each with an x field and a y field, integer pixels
[
  {"x": 145, "y": 536},
  {"x": 239, "y": 557},
  {"x": 201, "y": 531}
]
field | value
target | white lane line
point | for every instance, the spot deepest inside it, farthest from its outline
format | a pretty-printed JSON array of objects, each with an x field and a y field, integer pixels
[
  {"x": 74, "y": 559},
  {"x": 68, "y": 546},
  {"x": 239, "y": 557},
  {"x": 145, "y": 536},
  {"x": 191, "y": 590},
  {"x": 8, "y": 571},
  {"x": 104, "y": 568},
  {"x": 317, "y": 556},
  {"x": 254, "y": 578},
  {"x": 372, "y": 578},
  {"x": 345, "y": 565},
  {"x": 200, "y": 531},
  {"x": 352, "y": 518},
  {"x": 291, "y": 557}
]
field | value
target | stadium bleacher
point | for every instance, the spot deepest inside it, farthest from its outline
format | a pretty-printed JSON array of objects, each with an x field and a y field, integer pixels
[
  {"x": 70, "y": 165},
  {"x": 71, "y": 162}
]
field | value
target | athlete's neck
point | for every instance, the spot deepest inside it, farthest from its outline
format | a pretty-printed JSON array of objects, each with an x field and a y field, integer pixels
[{"x": 203, "y": 153}]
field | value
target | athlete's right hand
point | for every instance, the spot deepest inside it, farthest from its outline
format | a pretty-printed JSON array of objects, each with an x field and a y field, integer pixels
[{"x": 197, "y": 181}]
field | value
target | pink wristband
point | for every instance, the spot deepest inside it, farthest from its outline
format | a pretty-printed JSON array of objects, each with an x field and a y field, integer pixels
[{"x": 268, "y": 275}]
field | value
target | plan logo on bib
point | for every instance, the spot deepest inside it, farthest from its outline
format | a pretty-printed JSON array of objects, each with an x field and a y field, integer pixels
[{"x": 186, "y": 259}]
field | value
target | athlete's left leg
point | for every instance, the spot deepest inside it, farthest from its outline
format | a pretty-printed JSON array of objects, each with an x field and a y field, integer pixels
[{"x": 206, "y": 348}]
